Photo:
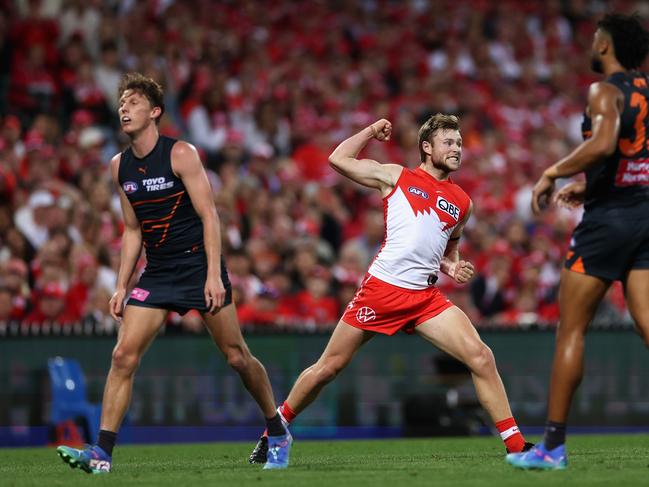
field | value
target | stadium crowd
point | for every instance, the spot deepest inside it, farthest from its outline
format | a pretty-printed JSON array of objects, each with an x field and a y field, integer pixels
[{"x": 265, "y": 90}]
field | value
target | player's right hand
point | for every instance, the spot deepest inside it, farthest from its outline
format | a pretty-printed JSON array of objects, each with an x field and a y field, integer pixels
[
  {"x": 214, "y": 292},
  {"x": 542, "y": 193},
  {"x": 381, "y": 129},
  {"x": 462, "y": 271},
  {"x": 571, "y": 195},
  {"x": 116, "y": 304}
]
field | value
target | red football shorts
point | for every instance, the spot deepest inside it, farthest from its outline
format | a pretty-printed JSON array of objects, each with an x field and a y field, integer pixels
[{"x": 383, "y": 308}]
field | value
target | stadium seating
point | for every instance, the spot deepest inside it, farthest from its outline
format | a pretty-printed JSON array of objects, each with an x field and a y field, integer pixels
[{"x": 69, "y": 399}]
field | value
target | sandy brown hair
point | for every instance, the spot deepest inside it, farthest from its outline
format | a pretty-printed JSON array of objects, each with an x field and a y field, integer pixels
[{"x": 145, "y": 86}]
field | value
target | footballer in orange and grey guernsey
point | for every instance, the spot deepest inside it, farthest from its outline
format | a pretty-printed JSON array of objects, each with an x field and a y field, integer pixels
[
  {"x": 611, "y": 243},
  {"x": 168, "y": 209}
]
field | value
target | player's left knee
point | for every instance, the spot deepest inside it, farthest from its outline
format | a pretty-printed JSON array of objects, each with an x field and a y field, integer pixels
[
  {"x": 482, "y": 359},
  {"x": 327, "y": 371},
  {"x": 238, "y": 358}
]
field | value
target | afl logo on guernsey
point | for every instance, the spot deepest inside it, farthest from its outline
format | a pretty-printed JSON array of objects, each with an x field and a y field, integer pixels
[
  {"x": 418, "y": 192},
  {"x": 449, "y": 208},
  {"x": 129, "y": 187}
]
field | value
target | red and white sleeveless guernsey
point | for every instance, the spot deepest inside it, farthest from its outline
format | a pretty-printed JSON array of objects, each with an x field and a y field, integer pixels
[{"x": 398, "y": 293}]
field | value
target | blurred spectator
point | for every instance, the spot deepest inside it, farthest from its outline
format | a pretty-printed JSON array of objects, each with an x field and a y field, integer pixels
[
  {"x": 73, "y": 54},
  {"x": 6, "y": 305},
  {"x": 81, "y": 18},
  {"x": 345, "y": 291},
  {"x": 191, "y": 322},
  {"x": 97, "y": 312},
  {"x": 35, "y": 27},
  {"x": 314, "y": 305},
  {"x": 16, "y": 245},
  {"x": 86, "y": 94},
  {"x": 266, "y": 309},
  {"x": 83, "y": 284},
  {"x": 241, "y": 276},
  {"x": 311, "y": 158},
  {"x": 6, "y": 222},
  {"x": 5, "y": 60},
  {"x": 232, "y": 155},
  {"x": 14, "y": 280},
  {"x": 33, "y": 88},
  {"x": 7, "y": 185},
  {"x": 32, "y": 220},
  {"x": 12, "y": 146},
  {"x": 50, "y": 305},
  {"x": 351, "y": 264},
  {"x": 490, "y": 291},
  {"x": 370, "y": 239},
  {"x": 522, "y": 312},
  {"x": 208, "y": 122},
  {"x": 50, "y": 264},
  {"x": 107, "y": 73},
  {"x": 267, "y": 129}
]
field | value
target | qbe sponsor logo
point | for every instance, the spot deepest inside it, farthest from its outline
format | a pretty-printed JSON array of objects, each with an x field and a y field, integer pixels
[{"x": 448, "y": 207}]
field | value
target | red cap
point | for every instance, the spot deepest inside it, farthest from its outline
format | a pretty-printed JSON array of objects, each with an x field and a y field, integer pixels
[{"x": 53, "y": 290}]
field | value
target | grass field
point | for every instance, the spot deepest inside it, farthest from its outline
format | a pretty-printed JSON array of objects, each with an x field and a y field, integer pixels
[{"x": 619, "y": 460}]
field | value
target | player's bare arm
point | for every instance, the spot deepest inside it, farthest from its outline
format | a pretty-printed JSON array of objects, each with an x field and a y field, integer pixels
[
  {"x": 459, "y": 270},
  {"x": 367, "y": 172},
  {"x": 604, "y": 103},
  {"x": 131, "y": 245},
  {"x": 187, "y": 165}
]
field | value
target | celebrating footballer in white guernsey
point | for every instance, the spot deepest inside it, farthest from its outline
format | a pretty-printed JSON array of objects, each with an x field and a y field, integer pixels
[{"x": 425, "y": 213}]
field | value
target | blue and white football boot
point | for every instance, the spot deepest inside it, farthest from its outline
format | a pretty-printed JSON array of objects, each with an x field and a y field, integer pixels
[
  {"x": 538, "y": 458},
  {"x": 91, "y": 459},
  {"x": 279, "y": 448}
]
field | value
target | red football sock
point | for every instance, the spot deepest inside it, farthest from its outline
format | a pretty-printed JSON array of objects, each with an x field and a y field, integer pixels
[
  {"x": 286, "y": 412},
  {"x": 512, "y": 437}
]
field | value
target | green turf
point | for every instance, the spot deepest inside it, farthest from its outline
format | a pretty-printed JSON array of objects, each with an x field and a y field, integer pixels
[{"x": 593, "y": 460}]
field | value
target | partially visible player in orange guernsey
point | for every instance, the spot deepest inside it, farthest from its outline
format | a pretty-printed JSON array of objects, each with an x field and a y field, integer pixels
[
  {"x": 612, "y": 240},
  {"x": 425, "y": 212},
  {"x": 169, "y": 210}
]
